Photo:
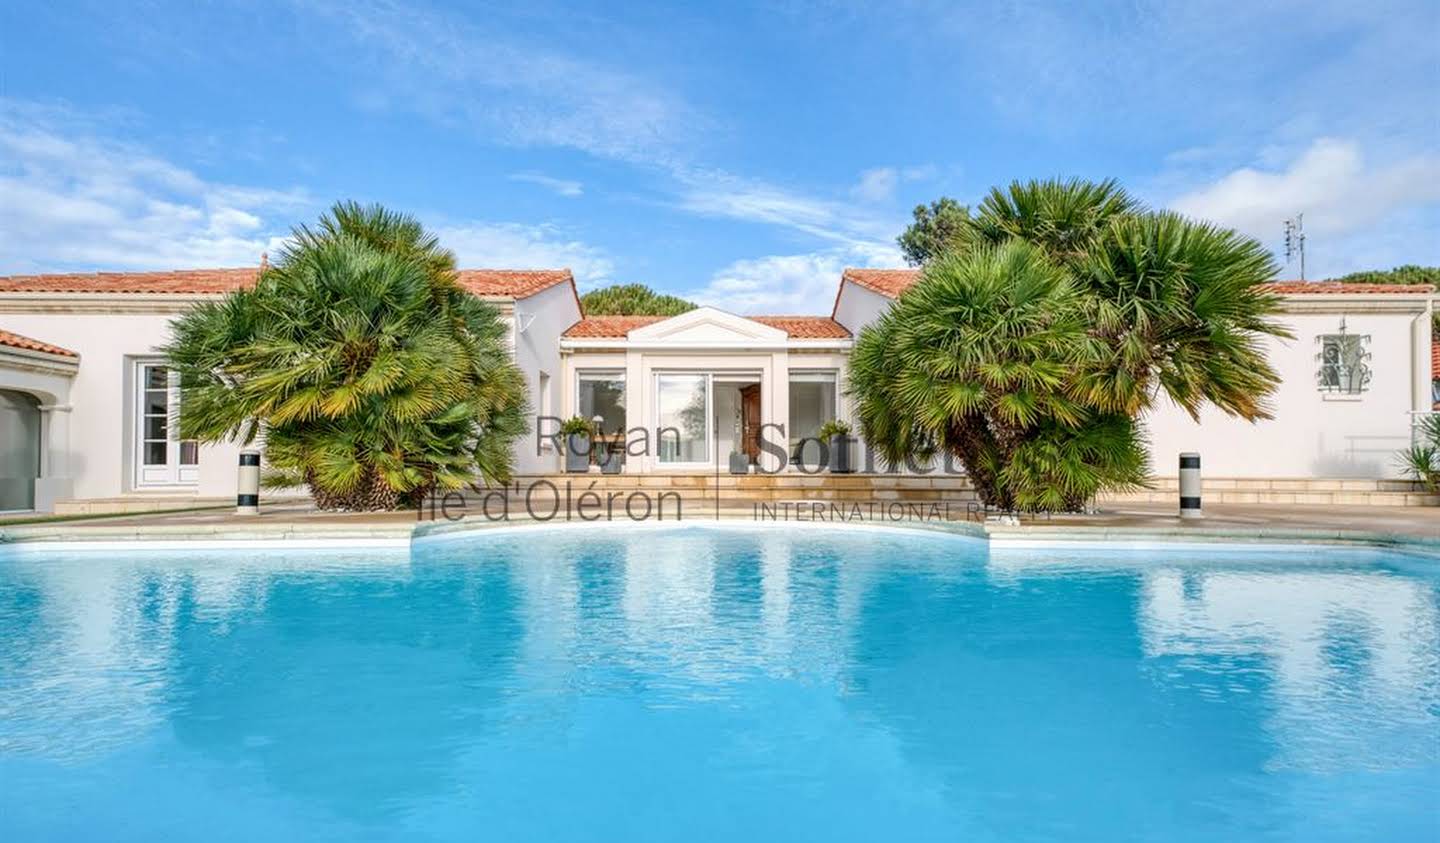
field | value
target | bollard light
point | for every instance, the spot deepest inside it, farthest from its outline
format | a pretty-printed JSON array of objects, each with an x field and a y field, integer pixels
[
  {"x": 1190, "y": 486},
  {"x": 247, "y": 496}
]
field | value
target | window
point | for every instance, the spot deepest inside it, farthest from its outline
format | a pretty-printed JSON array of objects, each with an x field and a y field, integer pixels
[
  {"x": 161, "y": 459},
  {"x": 683, "y": 418},
  {"x": 812, "y": 403},
  {"x": 1344, "y": 363},
  {"x": 602, "y": 394}
]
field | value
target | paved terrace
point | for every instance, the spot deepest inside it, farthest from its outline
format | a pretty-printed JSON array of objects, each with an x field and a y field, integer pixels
[{"x": 1419, "y": 526}]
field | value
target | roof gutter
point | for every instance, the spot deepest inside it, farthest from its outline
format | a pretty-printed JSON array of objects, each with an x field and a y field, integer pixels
[{"x": 41, "y": 361}]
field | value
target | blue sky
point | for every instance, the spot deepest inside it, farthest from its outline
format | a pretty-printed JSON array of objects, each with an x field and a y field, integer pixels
[{"x": 740, "y": 154}]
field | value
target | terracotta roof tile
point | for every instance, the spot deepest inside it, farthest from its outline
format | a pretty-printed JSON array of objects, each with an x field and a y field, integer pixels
[
  {"x": 1336, "y": 287},
  {"x": 482, "y": 282},
  {"x": 184, "y": 281},
  {"x": 893, "y": 282},
  {"x": 886, "y": 282},
  {"x": 1435, "y": 360},
  {"x": 17, "y": 341},
  {"x": 806, "y": 327},
  {"x": 512, "y": 283},
  {"x": 619, "y": 327},
  {"x": 609, "y": 327}
]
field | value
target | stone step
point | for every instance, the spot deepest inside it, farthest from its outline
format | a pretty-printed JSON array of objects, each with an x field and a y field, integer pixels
[
  {"x": 751, "y": 481},
  {"x": 1302, "y": 498},
  {"x": 738, "y": 495},
  {"x": 892, "y": 481},
  {"x": 1292, "y": 484},
  {"x": 135, "y": 503}
]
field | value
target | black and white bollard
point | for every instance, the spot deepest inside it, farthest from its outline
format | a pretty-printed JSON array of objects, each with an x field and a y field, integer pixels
[
  {"x": 247, "y": 498},
  {"x": 1190, "y": 486}
]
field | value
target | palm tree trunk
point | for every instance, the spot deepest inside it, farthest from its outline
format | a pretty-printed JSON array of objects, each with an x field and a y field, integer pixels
[
  {"x": 371, "y": 494},
  {"x": 970, "y": 440}
]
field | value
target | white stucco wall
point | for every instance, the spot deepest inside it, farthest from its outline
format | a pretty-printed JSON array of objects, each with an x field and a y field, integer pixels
[
  {"x": 771, "y": 367},
  {"x": 537, "y": 350},
  {"x": 1313, "y": 434},
  {"x": 112, "y": 333},
  {"x": 856, "y": 307},
  {"x": 109, "y": 341}
]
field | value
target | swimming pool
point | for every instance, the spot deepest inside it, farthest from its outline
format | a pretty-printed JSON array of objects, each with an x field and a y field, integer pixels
[{"x": 708, "y": 683}]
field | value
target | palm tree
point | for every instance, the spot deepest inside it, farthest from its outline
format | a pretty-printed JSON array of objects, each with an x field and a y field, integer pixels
[
  {"x": 1182, "y": 308},
  {"x": 373, "y": 375},
  {"x": 979, "y": 360},
  {"x": 1065, "y": 218},
  {"x": 1422, "y": 459},
  {"x": 1158, "y": 304}
]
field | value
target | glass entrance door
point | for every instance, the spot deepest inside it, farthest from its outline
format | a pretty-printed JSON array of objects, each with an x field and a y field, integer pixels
[{"x": 19, "y": 450}]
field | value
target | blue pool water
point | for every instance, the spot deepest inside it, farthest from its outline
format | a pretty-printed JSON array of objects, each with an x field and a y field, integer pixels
[{"x": 719, "y": 684}]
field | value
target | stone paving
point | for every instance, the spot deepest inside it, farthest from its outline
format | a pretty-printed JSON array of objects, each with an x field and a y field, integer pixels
[{"x": 1222, "y": 522}]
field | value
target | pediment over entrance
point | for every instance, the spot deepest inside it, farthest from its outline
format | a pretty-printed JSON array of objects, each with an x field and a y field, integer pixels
[{"x": 708, "y": 325}]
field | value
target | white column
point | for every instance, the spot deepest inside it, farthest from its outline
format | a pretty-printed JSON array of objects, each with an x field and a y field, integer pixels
[
  {"x": 775, "y": 404},
  {"x": 639, "y": 411},
  {"x": 1420, "y": 374},
  {"x": 55, "y": 482}
]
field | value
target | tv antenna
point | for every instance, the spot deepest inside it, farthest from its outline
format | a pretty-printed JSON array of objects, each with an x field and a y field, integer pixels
[{"x": 1295, "y": 241}]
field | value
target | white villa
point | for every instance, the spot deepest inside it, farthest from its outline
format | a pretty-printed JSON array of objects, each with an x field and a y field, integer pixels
[{"x": 85, "y": 398}]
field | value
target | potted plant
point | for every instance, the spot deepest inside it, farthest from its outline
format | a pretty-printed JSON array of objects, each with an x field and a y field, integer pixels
[
  {"x": 576, "y": 431},
  {"x": 1422, "y": 459},
  {"x": 612, "y": 460},
  {"x": 837, "y": 434},
  {"x": 739, "y": 462}
]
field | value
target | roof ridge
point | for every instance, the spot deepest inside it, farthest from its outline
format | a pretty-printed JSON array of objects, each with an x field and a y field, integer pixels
[
  {"x": 1358, "y": 287},
  {"x": 589, "y": 327},
  {"x": 482, "y": 281}
]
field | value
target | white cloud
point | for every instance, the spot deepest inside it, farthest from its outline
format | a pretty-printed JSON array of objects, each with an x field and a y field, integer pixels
[
  {"x": 919, "y": 172},
  {"x": 1330, "y": 182},
  {"x": 880, "y": 183},
  {"x": 788, "y": 284},
  {"x": 795, "y": 283},
  {"x": 506, "y": 89},
  {"x": 720, "y": 194},
  {"x": 1346, "y": 201},
  {"x": 564, "y": 187},
  {"x": 877, "y": 185},
  {"x": 76, "y": 200},
  {"x": 516, "y": 246},
  {"x": 1131, "y": 72}
]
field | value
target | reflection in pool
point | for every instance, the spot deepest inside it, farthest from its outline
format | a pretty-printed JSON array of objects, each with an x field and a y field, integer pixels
[{"x": 717, "y": 684}]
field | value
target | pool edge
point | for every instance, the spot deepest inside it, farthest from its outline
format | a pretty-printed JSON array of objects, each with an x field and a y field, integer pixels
[{"x": 296, "y": 534}]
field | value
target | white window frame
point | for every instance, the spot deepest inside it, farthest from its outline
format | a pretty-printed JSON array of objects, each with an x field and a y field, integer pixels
[
  {"x": 708, "y": 459},
  {"x": 171, "y": 474},
  {"x": 1360, "y": 378}
]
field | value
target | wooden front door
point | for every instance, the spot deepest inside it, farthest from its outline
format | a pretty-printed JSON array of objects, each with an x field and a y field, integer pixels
[{"x": 750, "y": 421}]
